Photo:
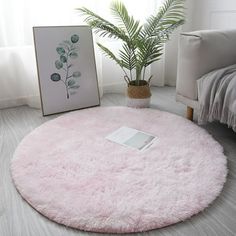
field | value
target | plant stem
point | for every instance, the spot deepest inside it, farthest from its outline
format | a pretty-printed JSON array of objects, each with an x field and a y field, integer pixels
[
  {"x": 67, "y": 92},
  {"x": 130, "y": 72},
  {"x": 138, "y": 75},
  {"x": 67, "y": 77},
  {"x": 144, "y": 70},
  {"x": 134, "y": 56}
]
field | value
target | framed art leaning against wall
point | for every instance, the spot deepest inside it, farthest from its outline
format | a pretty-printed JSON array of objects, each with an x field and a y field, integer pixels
[{"x": 66, "y": 68}]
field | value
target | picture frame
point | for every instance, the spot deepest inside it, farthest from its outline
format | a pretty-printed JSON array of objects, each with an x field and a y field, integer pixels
[{"x": 66, "y": 68}]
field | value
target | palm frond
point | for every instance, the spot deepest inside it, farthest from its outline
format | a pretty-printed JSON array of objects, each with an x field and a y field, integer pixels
[
  {"x": 110, "y": 54},
  {"x": 102, "y": 26},
  {"x": 126, "y": 22},
  {"x": 127, "y": 57},
  {"x": 142, "y": 44},
  {"x": 171, "y": 12},
  {"x": 149, "y": 51},
  {"x": 164, "y": 35}
]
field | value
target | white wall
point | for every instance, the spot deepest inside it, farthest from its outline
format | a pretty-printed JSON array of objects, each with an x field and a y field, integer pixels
[
  {"x": 201, "y": 14},
  {"x": 214, "y": 14}
]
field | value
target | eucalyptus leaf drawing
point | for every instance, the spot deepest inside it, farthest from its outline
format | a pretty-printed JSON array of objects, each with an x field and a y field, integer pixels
[
  {"x": 67, "y": 52},
  {"x": 73, "y": 55},
  {"x": 63, "y": 59},
  {"x": 74, "y": 38},
  {"x": 76, "y": 74},
  {"x": 60, "y": 50},
  {"x": 75, "y": 86},
  {"x": 71, "y": 82},
  {"x": 55, "y": 77},
  {"x": 58, "y": 64}
]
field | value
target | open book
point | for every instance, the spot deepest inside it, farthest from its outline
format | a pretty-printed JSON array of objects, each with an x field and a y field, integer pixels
[{"x": 132, "y": 138}]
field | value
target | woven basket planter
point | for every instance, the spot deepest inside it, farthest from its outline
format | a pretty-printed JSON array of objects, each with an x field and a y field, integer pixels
[{"x": 138, "y": 96}]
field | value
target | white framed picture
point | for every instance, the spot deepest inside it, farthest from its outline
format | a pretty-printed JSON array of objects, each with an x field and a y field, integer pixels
[{"x": 66, "y": 68}]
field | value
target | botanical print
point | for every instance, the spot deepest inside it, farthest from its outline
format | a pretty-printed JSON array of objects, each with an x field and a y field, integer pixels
[{"x": 67, "y": 52}]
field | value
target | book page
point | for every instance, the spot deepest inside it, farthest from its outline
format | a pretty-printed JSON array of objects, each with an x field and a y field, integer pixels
[{"x": 132, "y": 138}]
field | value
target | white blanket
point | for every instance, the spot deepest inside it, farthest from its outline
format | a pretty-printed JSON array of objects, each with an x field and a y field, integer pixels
[{"x": 217, "y": 96}]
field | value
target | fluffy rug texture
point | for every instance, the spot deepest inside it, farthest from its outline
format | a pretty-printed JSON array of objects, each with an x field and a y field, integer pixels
[{"x": 70, "y": 173}]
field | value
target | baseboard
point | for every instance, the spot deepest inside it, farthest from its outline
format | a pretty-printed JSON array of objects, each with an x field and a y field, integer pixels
[{"x": 114, "y": 88}]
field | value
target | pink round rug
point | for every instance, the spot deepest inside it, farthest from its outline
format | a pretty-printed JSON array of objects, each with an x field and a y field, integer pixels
[{"x": 70, "y": 173}]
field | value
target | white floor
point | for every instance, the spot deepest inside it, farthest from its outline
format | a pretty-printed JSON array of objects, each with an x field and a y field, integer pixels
[{"x": 17, "y": 218}]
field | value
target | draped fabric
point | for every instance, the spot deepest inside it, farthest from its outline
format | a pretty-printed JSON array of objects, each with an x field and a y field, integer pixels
[{"x": 217, "y": 96}]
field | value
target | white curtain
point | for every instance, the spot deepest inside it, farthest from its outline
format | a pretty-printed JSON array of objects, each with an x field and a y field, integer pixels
[{"x": 18, "y": 74}]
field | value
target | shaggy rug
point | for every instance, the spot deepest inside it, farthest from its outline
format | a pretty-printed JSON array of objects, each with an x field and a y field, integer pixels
[{"x": 70, "y": 173}]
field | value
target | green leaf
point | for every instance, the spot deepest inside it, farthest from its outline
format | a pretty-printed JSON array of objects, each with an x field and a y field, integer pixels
[
  {"x": 142, "y": 44},
  {"x": 102, "y": 26},
  {"x": 73, "y": 92},
  {"x": 63, "y": 59},
  {"x": 169, "y": 14},
  {"x": 55, "y": 77},
  {"x": 149, "y": 51},
  {"x": 76, "y": 74},
  {"x": 127, "y": 22},
  {"x": 58, "y": 64},
  {"x": 74, "y": 38},
  {"x": 71, "y": 82},
  {"x": 60, "y": 50},
  {"x": 110, "y": 54},
  {"x": 127, "y": 57},
  {"x": 74, "y": 87},
  {"x": 73, "y": 55}
]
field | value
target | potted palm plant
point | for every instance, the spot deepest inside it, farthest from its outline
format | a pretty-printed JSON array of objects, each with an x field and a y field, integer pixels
[{"x": 142, "y": 44}]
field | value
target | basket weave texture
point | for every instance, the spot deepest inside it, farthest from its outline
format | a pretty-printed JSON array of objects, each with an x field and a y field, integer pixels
[{"x": 138, "y": 91}]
